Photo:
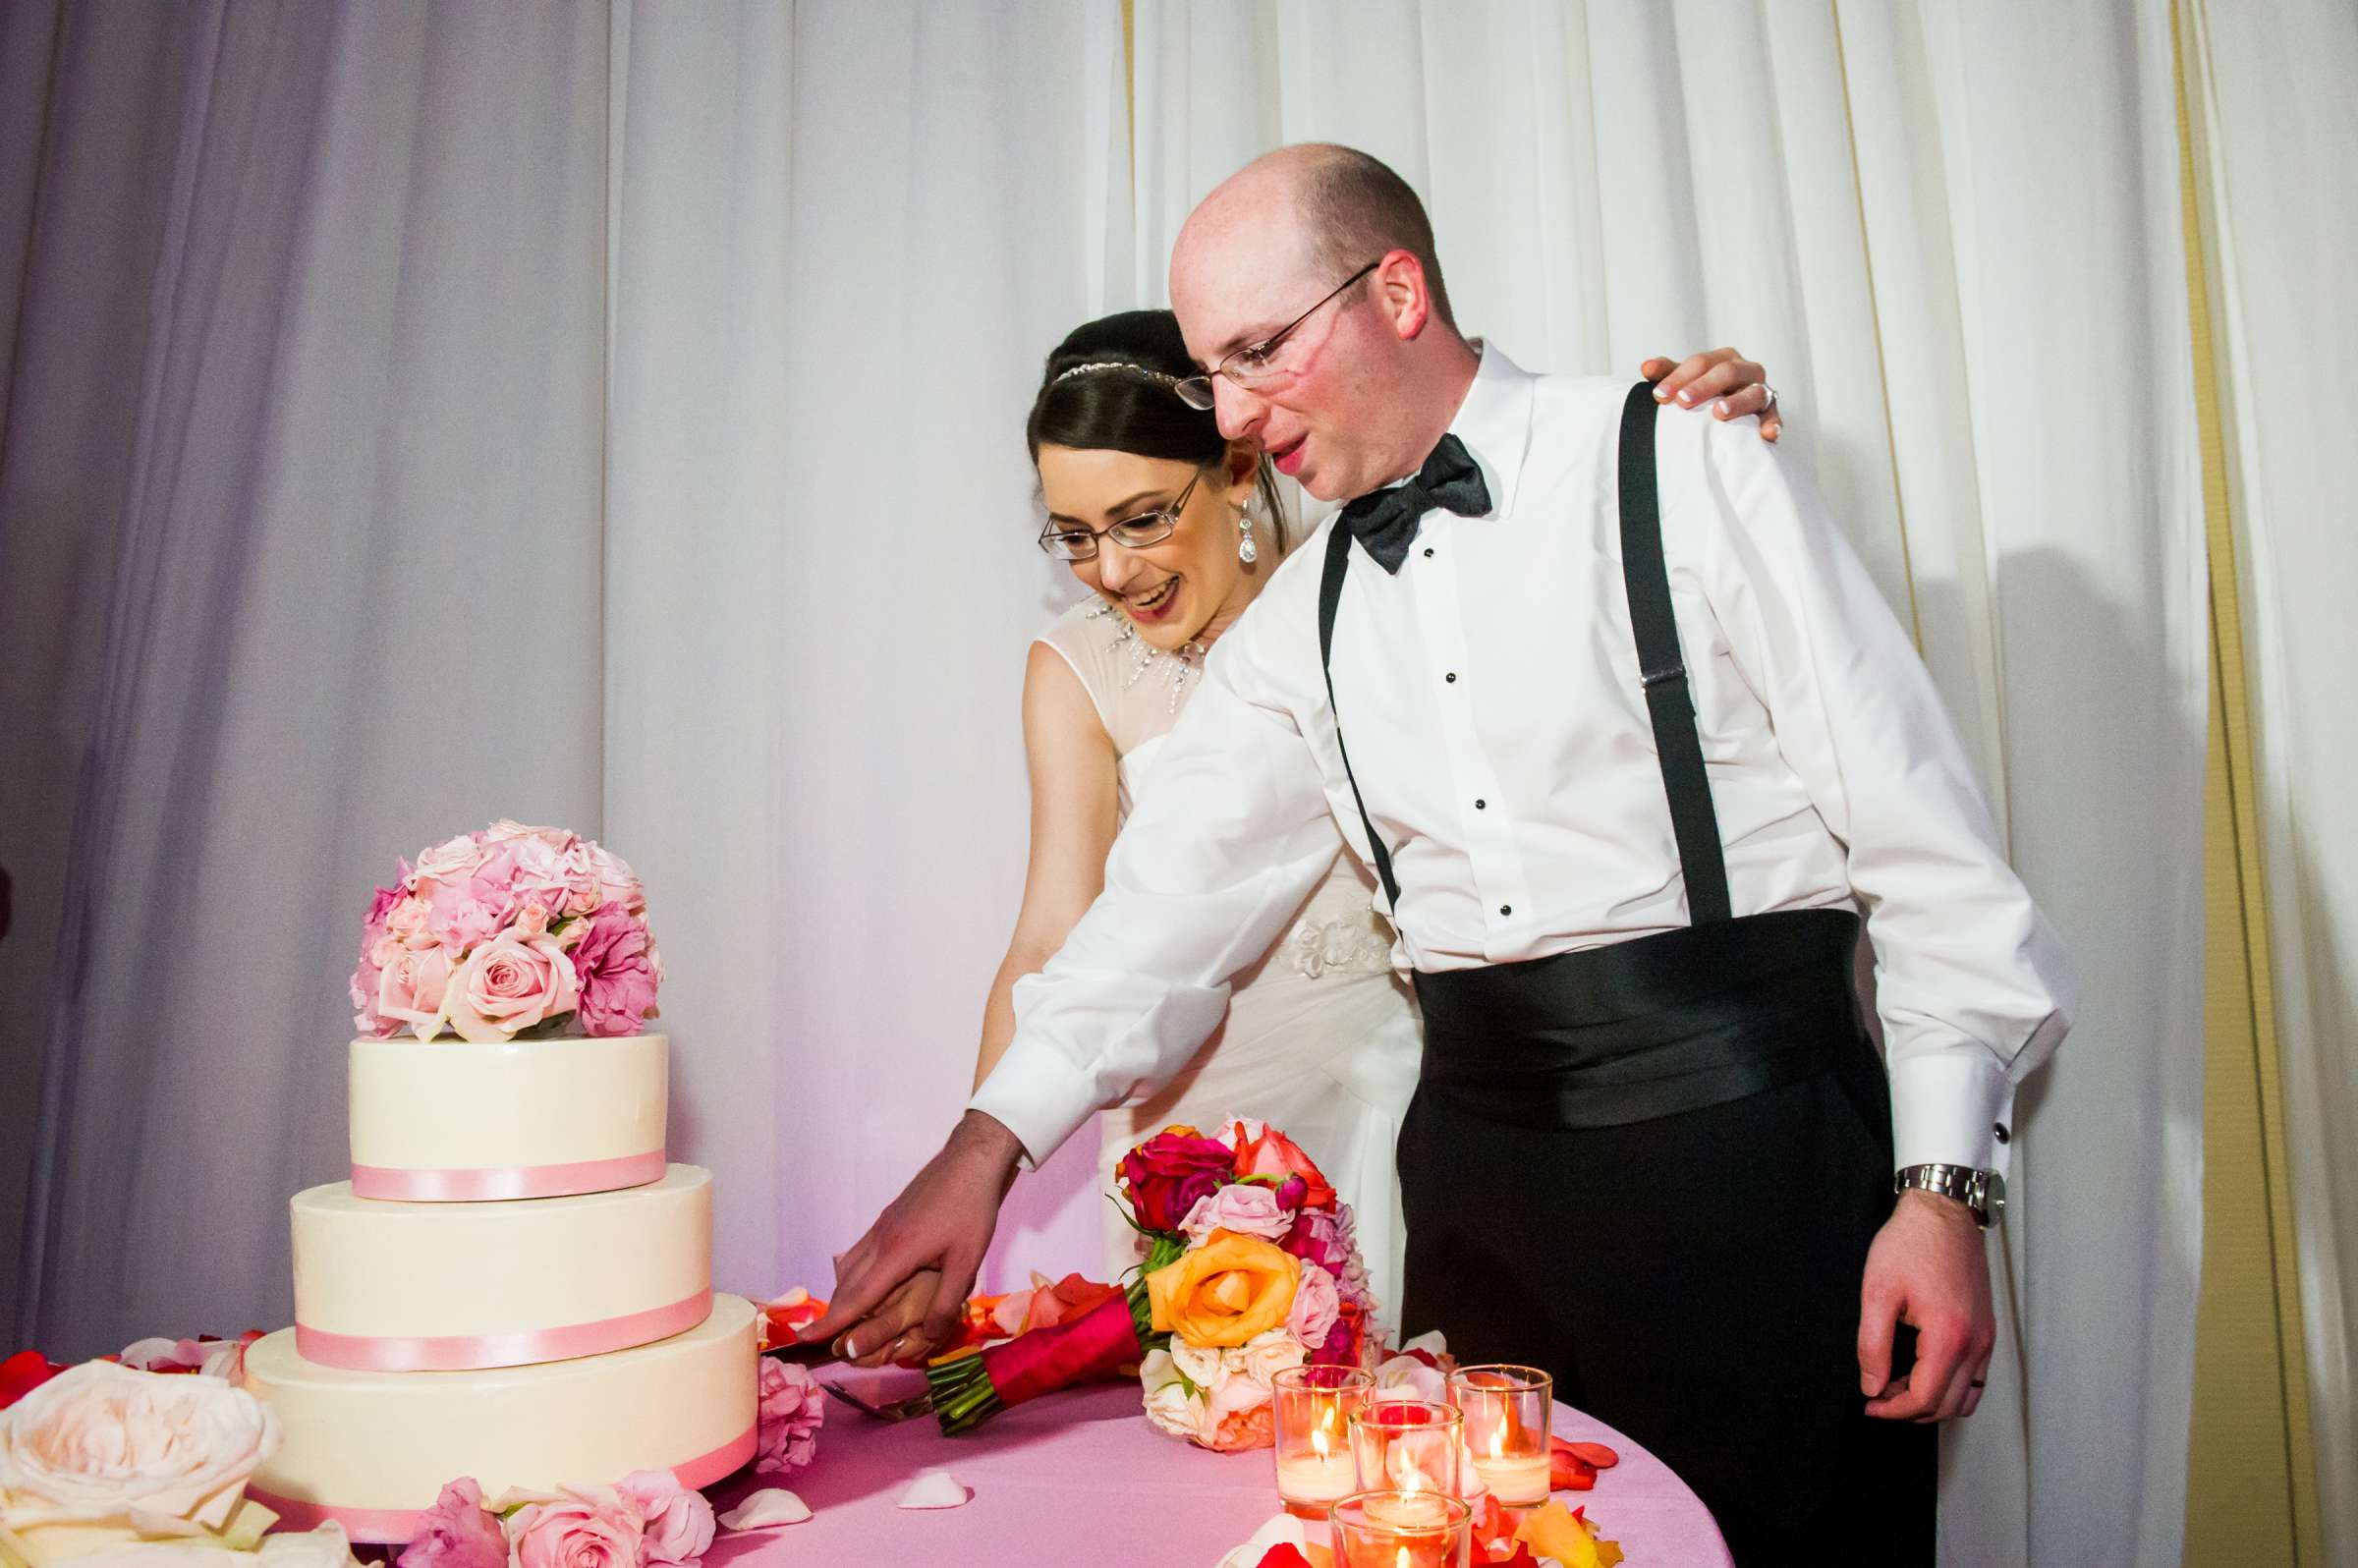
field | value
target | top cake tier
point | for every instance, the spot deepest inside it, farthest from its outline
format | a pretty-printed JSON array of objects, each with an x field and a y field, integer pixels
[{"x": 446, "y": 1121}]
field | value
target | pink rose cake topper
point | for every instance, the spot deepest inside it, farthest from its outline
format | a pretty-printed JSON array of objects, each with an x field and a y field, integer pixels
[{"x": 505, "y": 931}]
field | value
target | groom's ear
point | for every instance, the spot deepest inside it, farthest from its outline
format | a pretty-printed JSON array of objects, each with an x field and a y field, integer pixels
[{"x": 1403, "y": 293}]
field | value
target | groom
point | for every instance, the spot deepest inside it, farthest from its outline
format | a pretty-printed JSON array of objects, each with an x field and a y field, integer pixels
[{"x": 1629, "y": 739}]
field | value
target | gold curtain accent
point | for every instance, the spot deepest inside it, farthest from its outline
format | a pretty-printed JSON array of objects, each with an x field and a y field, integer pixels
[{"x": 2250, "y": 1492}]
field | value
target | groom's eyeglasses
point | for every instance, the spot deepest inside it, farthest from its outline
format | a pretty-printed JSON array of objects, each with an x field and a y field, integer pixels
[
  {"x": 1131, "y": 532},
  {"x": 1258, "y": 362}
]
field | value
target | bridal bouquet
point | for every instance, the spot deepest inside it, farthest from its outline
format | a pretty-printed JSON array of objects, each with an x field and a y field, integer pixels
[
  {"x": 1250, "y": 1267},
  {"x": 507, "y": 931}
]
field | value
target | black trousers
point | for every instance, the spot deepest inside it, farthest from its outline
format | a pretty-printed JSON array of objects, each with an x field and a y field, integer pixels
[{"x": 1693, "y": 1280}]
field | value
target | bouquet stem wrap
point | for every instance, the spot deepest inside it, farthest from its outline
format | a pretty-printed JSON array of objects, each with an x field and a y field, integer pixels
[{"x": 1101, "y": 1343}]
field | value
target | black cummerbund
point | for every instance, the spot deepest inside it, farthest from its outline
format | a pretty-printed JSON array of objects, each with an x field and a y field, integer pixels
[{"x": 1657, "y": 1025}]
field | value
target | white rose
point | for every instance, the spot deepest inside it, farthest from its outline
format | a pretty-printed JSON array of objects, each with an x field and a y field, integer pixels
[
  {"x": 1169, "y": 1405},
  {"x": 1263, "y": 1357},
  {"x": 1200, "y": 1363},
  {"x": 102, "y": 1443}
]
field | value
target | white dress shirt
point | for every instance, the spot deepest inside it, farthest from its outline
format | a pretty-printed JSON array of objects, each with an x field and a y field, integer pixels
[{"x": 1491, "y": 700}]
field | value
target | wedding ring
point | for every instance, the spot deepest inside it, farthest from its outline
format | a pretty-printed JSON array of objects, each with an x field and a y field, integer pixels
[{"x": 1771, "y": 403}]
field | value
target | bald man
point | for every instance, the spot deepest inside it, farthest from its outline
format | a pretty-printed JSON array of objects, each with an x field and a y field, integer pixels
[{"x": 1630, "y": 741}]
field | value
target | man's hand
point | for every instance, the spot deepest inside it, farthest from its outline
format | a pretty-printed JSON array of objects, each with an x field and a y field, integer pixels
[
  {"x": 1731, "y": 385},
  {"x": 1927, "y": 1268},
  {"x": 902, "y": 1288}
]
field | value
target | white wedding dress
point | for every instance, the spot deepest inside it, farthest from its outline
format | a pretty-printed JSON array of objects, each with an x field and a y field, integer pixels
[{"x": 1321, "y": 1040}]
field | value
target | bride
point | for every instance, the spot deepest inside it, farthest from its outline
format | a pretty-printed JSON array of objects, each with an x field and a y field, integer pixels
[{"x": 1173, "y": 529}]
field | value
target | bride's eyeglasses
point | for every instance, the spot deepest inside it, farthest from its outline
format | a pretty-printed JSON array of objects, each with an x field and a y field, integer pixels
[
  {"x": 1131, "y": 532},
  {"x": 1257, "y": 363}
]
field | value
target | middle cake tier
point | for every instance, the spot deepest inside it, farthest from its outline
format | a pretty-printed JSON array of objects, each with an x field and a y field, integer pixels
[{"x": 384, "y": 1286}]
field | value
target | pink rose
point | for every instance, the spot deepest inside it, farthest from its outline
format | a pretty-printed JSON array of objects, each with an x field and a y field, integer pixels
[
  {"x": 507, "y": 985},
  {"x": 1246, "y": 1207},
  {"x": 456, "y": 1532},
  {"x": 454, "y": 859},
  {"x": 790, "y": 1418},
  {"x": 410, "y": 989},
  {"x": 102, "y": 1443},
  {"x": 382, "y": 905},
  {"x": 596, "y": 1528},
  {"x": 1318, "y": 1306},
  {"x": 405, "y": 923},
  {"x": 617, "y": 883},
  {"x": 615, "y": 964},
  {"x": 679, "y": 1521}
]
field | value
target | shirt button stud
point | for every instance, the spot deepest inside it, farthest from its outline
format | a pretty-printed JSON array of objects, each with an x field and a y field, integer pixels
[
  {"x": 1506, "y": 909},
  {"x": 1481, "y": 806},
  {"x": 2002, "y": 1135},
  {"x": 1429, "y": 552},
  {"x": 1451, "y": 677}
]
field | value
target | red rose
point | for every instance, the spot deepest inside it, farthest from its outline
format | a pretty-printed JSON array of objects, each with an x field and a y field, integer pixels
[
  {"x": 1168, "y": 1172},
  {"x": 1270, "y": 1153}
]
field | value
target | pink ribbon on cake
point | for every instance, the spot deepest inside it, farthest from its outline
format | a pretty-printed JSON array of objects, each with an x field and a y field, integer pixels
[
  {"x": 526, "y": 1348},
  {"x": 517, "y": 1181},
  {"x": 394, "y": 1526}
]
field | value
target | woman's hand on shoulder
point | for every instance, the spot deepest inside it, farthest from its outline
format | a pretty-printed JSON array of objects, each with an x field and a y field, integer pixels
[{"x": 1723, "y": 381}]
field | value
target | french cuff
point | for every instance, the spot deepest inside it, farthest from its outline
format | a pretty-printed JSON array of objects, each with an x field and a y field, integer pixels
[
  {"x": 1036, "y": 1094},
  {"x": 1951, "y": 1107}
]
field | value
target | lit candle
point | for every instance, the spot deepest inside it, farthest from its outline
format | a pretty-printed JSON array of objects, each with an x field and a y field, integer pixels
[
  {"x": 1517, "y": 1481},
  {"x": 1316, "y": 1473},
  {"x": 1508, "y": 1413},
  {"x": 1314, "y": 1406}
]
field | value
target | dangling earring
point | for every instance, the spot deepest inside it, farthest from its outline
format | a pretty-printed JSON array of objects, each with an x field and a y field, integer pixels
[{"x": 1246, "y": 550}]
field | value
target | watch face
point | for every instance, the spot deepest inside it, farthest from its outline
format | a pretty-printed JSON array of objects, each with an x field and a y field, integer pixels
[{"x": 1995, "y": 1200}]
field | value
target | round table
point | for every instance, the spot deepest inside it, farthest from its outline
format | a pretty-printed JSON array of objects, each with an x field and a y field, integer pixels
[{"x": 1080, "y": 1476}]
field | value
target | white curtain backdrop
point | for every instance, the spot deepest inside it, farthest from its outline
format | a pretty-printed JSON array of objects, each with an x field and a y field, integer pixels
[
  {"x": 611, "y": 416},
  {"x": 2278, "y": 109},
  {"x": 1870, "y": 198}
]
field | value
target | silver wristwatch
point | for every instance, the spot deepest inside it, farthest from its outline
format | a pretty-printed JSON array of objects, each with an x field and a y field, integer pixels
[{"x": 1982, "y": 1191}]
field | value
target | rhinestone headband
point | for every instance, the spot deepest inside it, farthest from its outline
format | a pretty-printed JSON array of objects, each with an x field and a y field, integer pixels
[{"x": 1115, "y": 365}]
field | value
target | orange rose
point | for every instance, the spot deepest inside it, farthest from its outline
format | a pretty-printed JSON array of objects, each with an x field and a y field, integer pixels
[
  {"x": 1226, "y": 1291},
  {"x": 1277, "y": 1155}
]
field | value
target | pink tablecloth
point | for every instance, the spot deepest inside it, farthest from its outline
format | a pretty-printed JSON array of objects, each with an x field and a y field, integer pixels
[{"x": 1080, "y": 1476}]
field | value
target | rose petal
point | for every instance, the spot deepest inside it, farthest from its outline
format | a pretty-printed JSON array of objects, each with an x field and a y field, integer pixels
[
  {"x": 766, "y": 1509},
  {"x": 935, "y": 1488}
]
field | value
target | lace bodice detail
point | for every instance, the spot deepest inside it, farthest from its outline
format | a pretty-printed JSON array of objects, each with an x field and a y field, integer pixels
[{"x": 1139, "y": 691}]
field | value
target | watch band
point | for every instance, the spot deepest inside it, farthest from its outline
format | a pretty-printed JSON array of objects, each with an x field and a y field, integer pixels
[{"x": 1982, "y": 1191}]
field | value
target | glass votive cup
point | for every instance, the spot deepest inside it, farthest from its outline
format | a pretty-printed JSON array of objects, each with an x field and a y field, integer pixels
[
  {"x": 1407, "y": 1445},
  {"x": 1508, "y": 1412},
  {"x": 1402, "y": 1530},
  {"x": 1314, "y": 1408}
]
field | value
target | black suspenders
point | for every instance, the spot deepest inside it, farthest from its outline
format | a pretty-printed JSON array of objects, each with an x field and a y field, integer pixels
[{"x": 1661, "y": 669}]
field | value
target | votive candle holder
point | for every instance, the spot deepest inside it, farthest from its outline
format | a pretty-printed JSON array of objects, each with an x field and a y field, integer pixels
[
  {"x": 1314, "y": 1410},
  {"x": 1508, "y": 1411},
  {"x": 1408, "y": 1445}
]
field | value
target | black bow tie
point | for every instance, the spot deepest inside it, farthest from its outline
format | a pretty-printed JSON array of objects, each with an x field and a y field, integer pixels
[{"x": 1386, "y": 521}]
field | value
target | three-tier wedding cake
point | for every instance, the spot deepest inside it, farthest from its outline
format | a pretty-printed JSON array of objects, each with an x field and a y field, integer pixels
[{"x": 515, "y": 1285}]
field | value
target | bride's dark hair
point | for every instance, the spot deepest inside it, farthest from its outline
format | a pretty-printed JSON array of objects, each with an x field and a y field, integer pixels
[{"x": 1122, "y": 409}]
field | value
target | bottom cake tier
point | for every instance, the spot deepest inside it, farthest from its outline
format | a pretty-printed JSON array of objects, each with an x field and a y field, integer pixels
[{"x": 372, "y": 1449}]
